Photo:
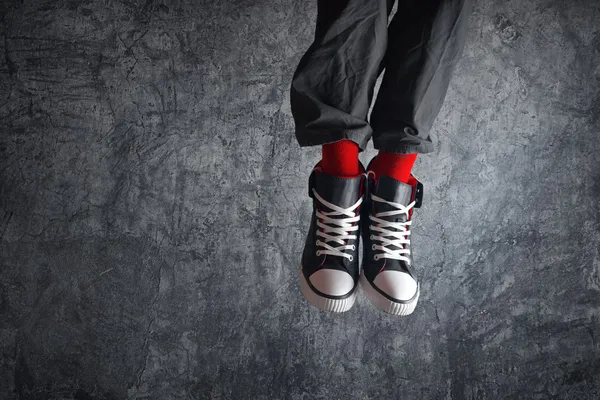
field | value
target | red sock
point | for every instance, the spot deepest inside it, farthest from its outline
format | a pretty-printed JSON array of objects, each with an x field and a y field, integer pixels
[
  {"x": 398, "y": 166},
  {"x": 340, "y": 158}
]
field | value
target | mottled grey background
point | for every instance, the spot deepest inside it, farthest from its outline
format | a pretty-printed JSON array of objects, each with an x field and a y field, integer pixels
[{"x": 153, "y": 209}]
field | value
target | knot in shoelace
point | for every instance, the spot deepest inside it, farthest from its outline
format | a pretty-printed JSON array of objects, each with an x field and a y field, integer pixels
[
  {"x": 399, "y": 231},
  {"x": 336, "y": 229}
]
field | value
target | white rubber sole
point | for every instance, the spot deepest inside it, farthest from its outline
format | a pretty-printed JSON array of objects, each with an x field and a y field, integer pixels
[
  {"x": 385, "y": 304},
  {"x": 324, "y": 303}
]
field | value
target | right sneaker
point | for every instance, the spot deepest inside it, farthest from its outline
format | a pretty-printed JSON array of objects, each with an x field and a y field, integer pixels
[
  {"x": 330, "y": 263},
  {"x": 387, "y": 277}
]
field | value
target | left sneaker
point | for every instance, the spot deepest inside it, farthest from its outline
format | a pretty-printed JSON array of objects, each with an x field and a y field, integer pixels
[
  {"x": 330, "y": 263},
  {"x": 387, "y": 278}
]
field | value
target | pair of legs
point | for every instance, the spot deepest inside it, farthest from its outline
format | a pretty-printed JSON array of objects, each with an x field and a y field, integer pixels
[
  {"x": 331, "y": 94},
  {"x": 334, "y": 83}
]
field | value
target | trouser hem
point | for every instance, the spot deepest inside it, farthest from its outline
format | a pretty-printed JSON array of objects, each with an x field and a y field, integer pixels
[
  {"x": 307, "y": 138},
  {"x": 403, "y": 146}
]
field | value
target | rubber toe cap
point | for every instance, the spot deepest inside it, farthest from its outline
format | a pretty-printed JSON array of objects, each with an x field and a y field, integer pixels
[
  {"x": 332, "y": 282},
  {"x": 396, "y": 284}
]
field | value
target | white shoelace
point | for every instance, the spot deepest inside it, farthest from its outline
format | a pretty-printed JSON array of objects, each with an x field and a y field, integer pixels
[
  {"x": 339, "y": 226},
  {"x": 401, "y": 235}
]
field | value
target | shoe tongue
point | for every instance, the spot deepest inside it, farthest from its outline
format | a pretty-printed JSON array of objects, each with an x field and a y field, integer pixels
[
  {"x": 343, "y": 192},
  {"x": 391, "y": 189},
  {"x": 395, "y": 191}
]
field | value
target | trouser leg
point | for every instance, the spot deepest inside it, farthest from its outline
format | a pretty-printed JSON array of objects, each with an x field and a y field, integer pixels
[
  {"x": 425, "y": 41},
  {"x": 333, "y": 85}
]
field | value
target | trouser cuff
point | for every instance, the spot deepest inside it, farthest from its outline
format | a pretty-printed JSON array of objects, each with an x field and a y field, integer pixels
[
  {"x": 393, "y": 143},
  {"x": 308, "y": 138}
]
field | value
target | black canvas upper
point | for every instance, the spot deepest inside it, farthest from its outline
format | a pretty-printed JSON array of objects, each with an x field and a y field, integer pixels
[
  {"x": 391, "y": 190},
  {"x": 343, "y": 192}
]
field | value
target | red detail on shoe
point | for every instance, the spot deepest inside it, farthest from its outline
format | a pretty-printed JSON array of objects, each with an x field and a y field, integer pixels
[
  {"x": 413, "y": 182},
  {"x": 383, "y": 266},
  {"x": 397, "y": 166},
  {"x": 340, "y": 158}
]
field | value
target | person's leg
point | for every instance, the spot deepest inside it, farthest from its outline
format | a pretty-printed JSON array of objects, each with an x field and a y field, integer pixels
[
  {"x": 333, "y": 85},
  {"x": 425, "y": 40}
]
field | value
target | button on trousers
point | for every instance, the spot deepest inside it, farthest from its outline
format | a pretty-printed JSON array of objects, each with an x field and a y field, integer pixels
[{"x": 334, "y": 82}]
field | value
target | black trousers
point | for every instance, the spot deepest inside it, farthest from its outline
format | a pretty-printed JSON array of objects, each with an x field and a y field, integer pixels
[{"x": 333, "y": 85}]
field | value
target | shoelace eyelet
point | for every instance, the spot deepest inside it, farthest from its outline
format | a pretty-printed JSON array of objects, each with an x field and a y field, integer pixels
[
  {"x": 351, "y": 258},
  {"x": 373, "y": 247},
  {"x": 353, "y": 247}
]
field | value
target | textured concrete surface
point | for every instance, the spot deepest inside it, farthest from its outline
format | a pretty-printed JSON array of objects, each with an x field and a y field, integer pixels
[{"x": 153, "y": 207}]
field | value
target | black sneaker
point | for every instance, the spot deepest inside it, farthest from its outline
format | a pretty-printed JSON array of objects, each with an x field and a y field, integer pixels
[
  {"x": 330, "y": 265},
  {"x": 387, "y": 278}
]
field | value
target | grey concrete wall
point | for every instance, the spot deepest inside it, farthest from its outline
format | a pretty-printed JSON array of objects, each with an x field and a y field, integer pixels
[{"x": 153, "y": 208}]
